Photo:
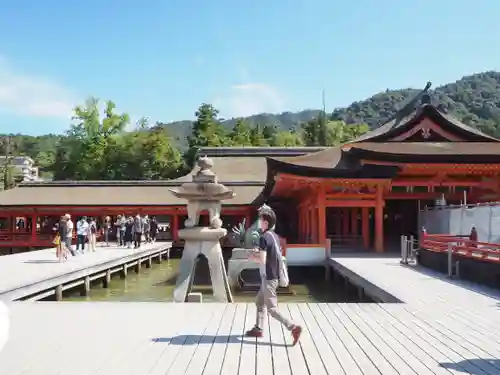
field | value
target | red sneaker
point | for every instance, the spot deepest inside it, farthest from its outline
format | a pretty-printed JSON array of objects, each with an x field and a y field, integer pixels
[
  {"x": 254, "y": 332},
  {"x": 296, "y": 332}
]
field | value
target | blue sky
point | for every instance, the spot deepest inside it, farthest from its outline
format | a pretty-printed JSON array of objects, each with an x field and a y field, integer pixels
[{"x": 162, "y": 59}]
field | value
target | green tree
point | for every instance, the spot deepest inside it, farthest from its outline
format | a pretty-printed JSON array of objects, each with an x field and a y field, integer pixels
[
  {"x": 338, "y": 132},
  {"x": 206, "y": 131},
  {"x": 241, "y": 134},
  {"x": 82, "y": 154},
  {"x": 311, "y": 132},
  {"x": 159, "y": 159},
  {"x": 288, "y": 138},
  {"x": 257, "y": 138},
  {"x": 269, "y": 132}
]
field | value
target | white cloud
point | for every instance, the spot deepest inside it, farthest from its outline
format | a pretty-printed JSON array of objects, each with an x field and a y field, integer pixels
[
  {"x": 33, "y": 96},
  {"x": 249, "y": 98}
]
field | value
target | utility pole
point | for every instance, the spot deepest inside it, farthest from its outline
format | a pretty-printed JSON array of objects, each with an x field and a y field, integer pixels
[
  {"x": 7, "y": 165},
  {"x": 322, "y": 128}
]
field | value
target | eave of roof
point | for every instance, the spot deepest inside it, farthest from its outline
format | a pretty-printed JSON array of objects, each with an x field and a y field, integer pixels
[
  {"x": 427, "y": 152},
  {"x": 346, "y": 167},
  {"x": 257, "y": 151}
]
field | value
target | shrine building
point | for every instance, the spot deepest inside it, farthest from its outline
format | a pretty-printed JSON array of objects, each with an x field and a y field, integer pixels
[{"x": 363, "y": 194}]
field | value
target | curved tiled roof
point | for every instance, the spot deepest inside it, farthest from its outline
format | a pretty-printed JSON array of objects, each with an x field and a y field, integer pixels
[
  {"x": 243, "y": 170},
  {"x": 397, "y": 125},
  {"x": 109, "y": 195}
]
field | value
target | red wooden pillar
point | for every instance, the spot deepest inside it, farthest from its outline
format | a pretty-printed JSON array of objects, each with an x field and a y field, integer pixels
[
  {"x": 175, "y": 227},
  {"x": 316, "y": 224},
  {"x": 299, "y": 224},
  {"x": 308, "y": 225},
  {"x": 365, "y": 226},
  {"x": 321, "y": 202},
  {"x": 379, "y": 221}
]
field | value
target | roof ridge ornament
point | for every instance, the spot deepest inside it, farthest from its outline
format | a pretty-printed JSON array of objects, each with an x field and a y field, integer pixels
[{"x": 409, "y": 107}]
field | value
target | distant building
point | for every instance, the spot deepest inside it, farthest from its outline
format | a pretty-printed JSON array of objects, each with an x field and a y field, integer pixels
[{"x": 23, "y": 166}]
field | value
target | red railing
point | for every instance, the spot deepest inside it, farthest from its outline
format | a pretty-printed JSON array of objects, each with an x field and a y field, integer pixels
[{"x": 461, "y": 245}]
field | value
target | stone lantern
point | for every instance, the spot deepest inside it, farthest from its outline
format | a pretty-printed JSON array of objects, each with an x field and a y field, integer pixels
[{"x": 203, "y": 193}]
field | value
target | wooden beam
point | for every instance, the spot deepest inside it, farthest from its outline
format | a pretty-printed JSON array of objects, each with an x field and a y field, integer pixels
[
  {"x": 333, "y": 196},
  {"x": 351, "y": 203}
]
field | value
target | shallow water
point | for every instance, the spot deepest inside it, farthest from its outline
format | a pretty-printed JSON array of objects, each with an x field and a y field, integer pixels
[{"x": 157, "y": 284}]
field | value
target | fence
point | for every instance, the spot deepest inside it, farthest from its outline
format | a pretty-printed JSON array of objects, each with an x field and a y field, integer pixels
[{"x": 459, "y": 220}]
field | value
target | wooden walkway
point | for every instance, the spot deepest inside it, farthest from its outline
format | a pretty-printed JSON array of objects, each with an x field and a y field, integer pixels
[
  {"x": 416, "y": 285},
  {"x": 20, "y": 270},
  {"x": 50, "y": 338}
]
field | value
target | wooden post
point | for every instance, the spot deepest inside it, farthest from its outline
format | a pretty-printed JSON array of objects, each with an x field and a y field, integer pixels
[
  {"x": 149, "y": 262},
  {"x": 379, "y": 220},
  {"x": 107, "y": 279},
  {"x": 86, "y": 286},
  {"x": 365, "y": 226},
  {"x": 138, "y": 266},
  {"x": 124, "y": 271},
  {"x": 59, "y": 293}
]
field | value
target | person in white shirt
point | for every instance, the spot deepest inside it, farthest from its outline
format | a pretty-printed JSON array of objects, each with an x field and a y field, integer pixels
[
  {"x": 82, "y": 230},
  {"x": 69, "y": 234}
]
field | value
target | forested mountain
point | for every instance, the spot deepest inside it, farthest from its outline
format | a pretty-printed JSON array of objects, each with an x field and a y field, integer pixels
[
  {"x": 285, "y": 121},
  {"x": 474, "y": 99}
]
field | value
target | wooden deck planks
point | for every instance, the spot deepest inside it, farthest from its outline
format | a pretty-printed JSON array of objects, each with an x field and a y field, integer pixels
[
  {"x": 216, "y": 356},
  {"x": 427, "y": 353},
  {"x": 191, "y": 339},
  {"x": 459, "y": 343},
  {"x": 334, "y": 343},
  {"x": 391, "y": 350},
  {"x": 383, "y": 364},
  {"x": 232, "y": 354},
  {"x": 195, "y": 339},
  {"x": 328, "y": 357},
  {"x": 204, "y": 348},
  {"x": 248, "y": 356},
  {"x": 411, "y": 284},
  {"x": 278, "y": 337},
  {"x": 22, "y": 269},
  {"x": 306, "y": 346}
]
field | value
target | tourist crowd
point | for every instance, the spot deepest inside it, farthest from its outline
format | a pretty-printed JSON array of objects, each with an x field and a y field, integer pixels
[{"x": 127, "y": 231}]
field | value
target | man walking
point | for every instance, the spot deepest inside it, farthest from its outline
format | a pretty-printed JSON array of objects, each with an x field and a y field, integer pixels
[
  {"x": 69, "y": 234},
  {"x": 270, "y": 268},
  {"x": 82, "y": 230},
  {"x": 138, "y": 229}
]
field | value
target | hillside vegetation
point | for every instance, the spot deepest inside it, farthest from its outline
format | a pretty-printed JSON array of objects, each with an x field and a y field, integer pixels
[{"x": 116, "y": 154}]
